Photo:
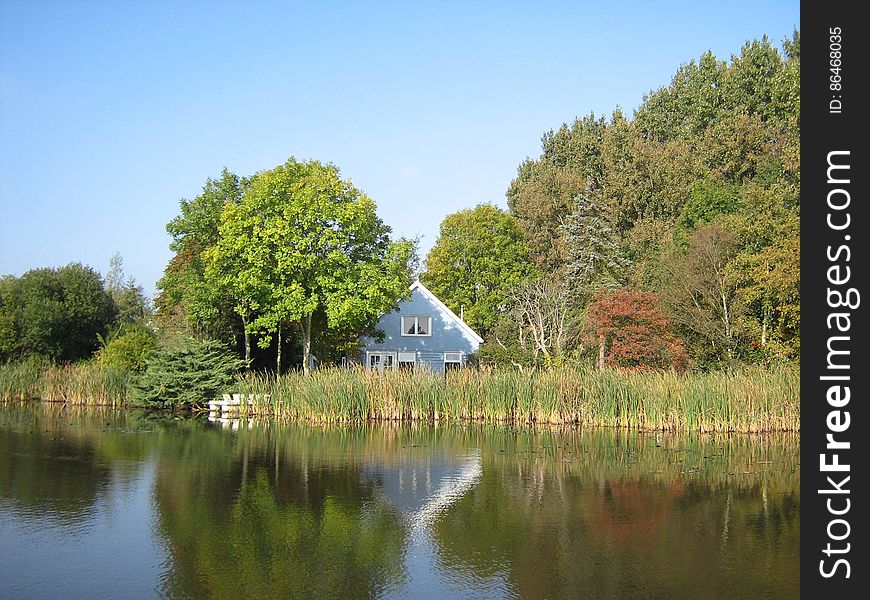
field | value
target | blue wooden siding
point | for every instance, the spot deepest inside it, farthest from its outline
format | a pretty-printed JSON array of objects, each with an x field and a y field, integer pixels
[{"x": 447, "y": 334}]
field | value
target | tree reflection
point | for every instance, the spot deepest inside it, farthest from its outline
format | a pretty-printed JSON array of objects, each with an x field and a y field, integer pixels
[
  {"x": 370, "y": 511},
  {"x": 600, "y": 518},
  {"x": 57, "y": 461},
  {"x": 246, "y": 516}
]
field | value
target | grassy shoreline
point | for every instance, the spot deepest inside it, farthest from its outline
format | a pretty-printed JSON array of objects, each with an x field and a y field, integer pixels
[
  {"x": 85, "y": 383},
  {"x": 746, "y": 400}
]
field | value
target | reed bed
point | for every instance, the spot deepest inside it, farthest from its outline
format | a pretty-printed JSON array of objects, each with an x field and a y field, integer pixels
[
  {"x": 746, "y": 400},
  {"x": 86, "y": 383}
]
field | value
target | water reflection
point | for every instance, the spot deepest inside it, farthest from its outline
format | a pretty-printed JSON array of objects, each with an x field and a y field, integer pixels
[{"x": 191, "y": 509}]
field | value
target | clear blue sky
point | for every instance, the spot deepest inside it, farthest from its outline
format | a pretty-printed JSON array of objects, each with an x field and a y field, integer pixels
[{"x": 110, "y": 112}]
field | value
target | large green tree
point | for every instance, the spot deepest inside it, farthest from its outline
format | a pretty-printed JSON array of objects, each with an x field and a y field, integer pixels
[
  {"x": 187, "y": 299},
  {"x": 56, "y": 313},
  {"x": 301, "y": 241},
  {"x": 480, "y": 257}
]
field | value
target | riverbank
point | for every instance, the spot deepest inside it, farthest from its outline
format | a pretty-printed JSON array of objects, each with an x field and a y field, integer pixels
[
  {"x": 86, "y": 382},
  {"x": 743, "y": 400}
]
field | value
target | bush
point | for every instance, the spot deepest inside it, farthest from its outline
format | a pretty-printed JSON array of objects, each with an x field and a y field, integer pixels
[
  {"x": 129, "y": 349},
  {"x": 188, "y": 375}
]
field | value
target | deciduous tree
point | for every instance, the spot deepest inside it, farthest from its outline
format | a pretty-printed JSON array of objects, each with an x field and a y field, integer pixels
[
  {"x": 633, "y": 332},
  {"x": 187, "y": 299},
  {"x": 303, "y": 240},
  {"x": 56, "y": 313},
  {"x": 479, "y": 258}
]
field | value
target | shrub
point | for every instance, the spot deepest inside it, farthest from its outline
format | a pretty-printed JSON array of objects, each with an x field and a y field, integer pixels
[
  {"x": 129, "y": 349},
  {"x": 188, "y": 375}
]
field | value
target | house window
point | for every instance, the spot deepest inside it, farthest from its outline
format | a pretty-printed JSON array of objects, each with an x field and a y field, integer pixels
[
  {"x": 416, "y": 325},
  {"x": 452, "y": 360},
  {"x": 381, "y": 361},
  {"x": 407, "y": 361}
]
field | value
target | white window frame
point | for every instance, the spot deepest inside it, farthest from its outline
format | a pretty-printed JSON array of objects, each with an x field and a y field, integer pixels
[
  {"x": 382, "y": 356},
  {"x": 416, "y": 325},
  {"x": 455, "y": 362}
]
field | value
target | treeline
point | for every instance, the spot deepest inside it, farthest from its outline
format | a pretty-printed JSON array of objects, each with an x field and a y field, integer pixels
[
  {"x": 71, "y": 313},
  {"x": 669, "y": 239}
]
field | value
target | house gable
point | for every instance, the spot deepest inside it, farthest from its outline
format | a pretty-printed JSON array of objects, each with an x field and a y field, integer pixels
[
  {"x": 423, "y": 331},
  {"x": 448, "y": 316}
]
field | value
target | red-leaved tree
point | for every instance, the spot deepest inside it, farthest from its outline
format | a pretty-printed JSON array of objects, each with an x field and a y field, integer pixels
[{"x": 632, "y": 332}]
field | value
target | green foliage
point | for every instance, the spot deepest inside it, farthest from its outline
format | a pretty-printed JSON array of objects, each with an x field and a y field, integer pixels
[
  {"x": 187, "y": 375},
  {"x": 303, "y": 240},
  {"x": 595, "y": 259},
  {"x": 710, "y": 199},
  {"x": 8, "y": 329},
  {"x": 55, "y": 313},
  {"x": 130, "y": 302},
  {"x": 479, "y": 257},
  {"x": 544, "y": 190},
  {"x": 187, "y": 299},
  {"x": 700, "y": 191},
  {"x": 129, "y": 348}
]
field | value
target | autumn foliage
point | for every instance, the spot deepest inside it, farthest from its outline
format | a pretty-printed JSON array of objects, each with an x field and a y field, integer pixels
[{"x": 633, "y": 332}]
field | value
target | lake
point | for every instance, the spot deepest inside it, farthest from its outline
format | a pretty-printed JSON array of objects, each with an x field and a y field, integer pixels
[{"x": 119, "y": 504}]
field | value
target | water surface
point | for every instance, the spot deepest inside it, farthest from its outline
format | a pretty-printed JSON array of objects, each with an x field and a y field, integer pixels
[{"x": 119, "y": 505}]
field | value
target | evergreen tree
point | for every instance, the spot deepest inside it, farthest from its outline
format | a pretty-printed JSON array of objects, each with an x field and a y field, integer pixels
[{"x": 595, "y": 260}]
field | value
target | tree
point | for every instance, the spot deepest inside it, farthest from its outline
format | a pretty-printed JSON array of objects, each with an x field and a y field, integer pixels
[
  {"x": 717, "y": 149},
  {"x": 301, "y": 240},
  {"x": 129, "y": 347},
  {"x": 201, "y": 305},
  {"x": 542, "y": 194},
  {"x": 595, "y": 260},
  {"x": 8, "y": 311},
  {"x": 56, "y": 313},
  {"x": 129, "y": 299},
  {"x": 194, "y": 372},
  {"x": 479, "y": 257},
  {"x": 701, "y": 294},
  {"x": 767, "y": 268},
  {"x": 633, "y": 332},
  {"x": 534, "y": 328},
  {"x": 685, "y": 108}
]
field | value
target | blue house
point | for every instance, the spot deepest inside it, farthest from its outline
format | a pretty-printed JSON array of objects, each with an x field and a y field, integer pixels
[{"x": 424, "y": 333}]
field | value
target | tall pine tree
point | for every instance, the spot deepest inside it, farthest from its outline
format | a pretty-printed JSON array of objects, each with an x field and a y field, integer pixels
[{"x": 595, "y": 259}]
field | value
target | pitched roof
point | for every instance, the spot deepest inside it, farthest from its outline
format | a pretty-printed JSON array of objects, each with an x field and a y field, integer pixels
[{"x": 418, "y": 285}]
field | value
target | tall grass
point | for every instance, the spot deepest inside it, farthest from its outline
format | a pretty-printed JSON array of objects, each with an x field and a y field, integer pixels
[
  {"x": 81, "y": 383},
  {"x": 749, "y": 400}
]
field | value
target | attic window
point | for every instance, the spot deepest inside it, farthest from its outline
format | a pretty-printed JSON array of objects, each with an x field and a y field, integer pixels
[{"x": 416, "y": 325}]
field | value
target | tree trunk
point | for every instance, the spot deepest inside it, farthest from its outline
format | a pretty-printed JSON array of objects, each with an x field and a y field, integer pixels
[
  {"x": 601, "y": 342},
  {"x": 726, "y": 317},
  {"x": 306, "y": 343},
  {"x": 247, "y": 344},
  {"x": 279, "y": 348}
]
